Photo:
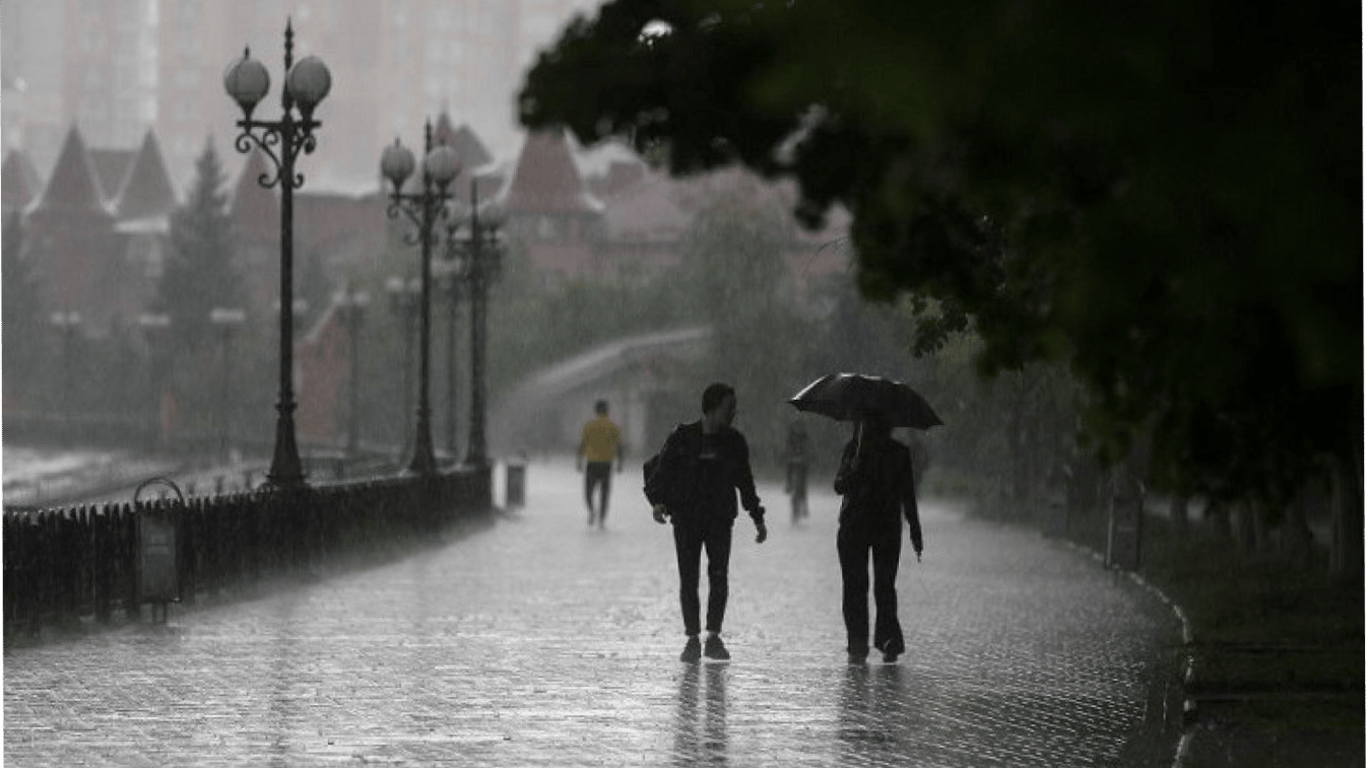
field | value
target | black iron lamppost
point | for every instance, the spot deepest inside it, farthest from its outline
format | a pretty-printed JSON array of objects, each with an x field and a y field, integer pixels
[
  {"x": 403, "y": 306},
  {"x": 481, "y": 250},
  {"x": 453, "y": 277},
  {"x": 226, "y": 320},
  {"x": 351, "y": 304},
  {"x": 439, "y": 168},
  {"x": 306, "y": 84},
  {"x": 68, "y": 323}
]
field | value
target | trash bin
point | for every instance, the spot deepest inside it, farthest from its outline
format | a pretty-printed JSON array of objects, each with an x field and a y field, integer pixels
[
  {"x": 157, "y": 582},
  {"x": 158, "y": 577},
  {"x": 516, "y": 481}
]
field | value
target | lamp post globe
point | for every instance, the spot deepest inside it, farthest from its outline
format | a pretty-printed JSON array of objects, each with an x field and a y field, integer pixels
[
  {"x": 308, "y": 83},
  {"x": 442, "y": 165},
  {"x": 396, "y": 163},
  {"x": 492, "y": 217},
  {"x": 247, "y": 81}
]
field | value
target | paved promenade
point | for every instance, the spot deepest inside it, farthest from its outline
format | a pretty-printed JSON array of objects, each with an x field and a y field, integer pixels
[{"x": 541, "y": 642}]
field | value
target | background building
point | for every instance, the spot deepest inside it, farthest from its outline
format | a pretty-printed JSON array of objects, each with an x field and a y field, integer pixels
[{"x": 118, "y": 67}]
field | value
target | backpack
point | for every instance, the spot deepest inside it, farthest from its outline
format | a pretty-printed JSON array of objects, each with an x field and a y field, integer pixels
[{"x": 658, "y": 484}]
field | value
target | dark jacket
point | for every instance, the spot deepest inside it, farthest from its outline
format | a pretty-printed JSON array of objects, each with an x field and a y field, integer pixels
[
  {"x": 880, "y": 490},
  {"x": 698, "y": 474}
]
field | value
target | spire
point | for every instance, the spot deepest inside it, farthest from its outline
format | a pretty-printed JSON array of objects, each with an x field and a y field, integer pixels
[
  {"x": 547, "y": 180},
  {"x": 73, "y": 186},
  {"x": 471, "y": 151},
  {"x": 147, "y": 189}
]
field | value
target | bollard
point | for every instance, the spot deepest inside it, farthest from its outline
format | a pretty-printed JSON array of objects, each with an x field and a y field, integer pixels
[{"x": 516, "y": 481}]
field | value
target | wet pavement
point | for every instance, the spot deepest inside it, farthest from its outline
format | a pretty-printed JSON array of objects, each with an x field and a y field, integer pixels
[{"x": 540, "y": 641}]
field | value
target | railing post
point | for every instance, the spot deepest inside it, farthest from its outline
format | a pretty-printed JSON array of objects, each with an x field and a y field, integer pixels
[
  {"x": 185, "y": 552},
  {"x": 128, "y": 562},
  {"x": 101, "y": 542}
]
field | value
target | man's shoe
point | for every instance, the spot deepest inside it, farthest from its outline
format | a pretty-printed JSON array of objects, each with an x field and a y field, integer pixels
[
  {"x": 692, "y": 652},
  {"x": 858, "y": 656},
  {"x": 889, "y": 656},
  {"x": 716, "y": 649}
]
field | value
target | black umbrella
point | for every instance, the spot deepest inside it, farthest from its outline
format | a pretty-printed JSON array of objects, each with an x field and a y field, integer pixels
[{"x": 852, "y": 396}]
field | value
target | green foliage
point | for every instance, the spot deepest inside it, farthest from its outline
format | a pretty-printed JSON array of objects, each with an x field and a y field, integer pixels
[
  {"x": 24, "y": 324},
  {"x": 199, "y": 273},
  {"x": 1165, "y": 196}
]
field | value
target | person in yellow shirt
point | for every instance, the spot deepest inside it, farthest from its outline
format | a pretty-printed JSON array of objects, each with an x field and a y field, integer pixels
[{"x": 601, "y": 443}]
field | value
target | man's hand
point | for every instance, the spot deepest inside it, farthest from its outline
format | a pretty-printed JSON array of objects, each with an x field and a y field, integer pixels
[
  {"x": 661, "y": 514},
  {"x": 762, "y": 534}
]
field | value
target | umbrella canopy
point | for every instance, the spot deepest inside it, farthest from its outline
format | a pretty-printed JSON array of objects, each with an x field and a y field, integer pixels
[{"x": 852, "y": 396}]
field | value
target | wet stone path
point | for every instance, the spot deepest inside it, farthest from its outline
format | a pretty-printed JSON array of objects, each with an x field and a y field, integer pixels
[{"x": 542, "y": 642}]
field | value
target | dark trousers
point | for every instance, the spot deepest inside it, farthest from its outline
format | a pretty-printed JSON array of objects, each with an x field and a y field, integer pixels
[
  {"x": 689, "y": 541},
  {"x": 855, "y": 546},
  {"x": 597, "y": 475}
]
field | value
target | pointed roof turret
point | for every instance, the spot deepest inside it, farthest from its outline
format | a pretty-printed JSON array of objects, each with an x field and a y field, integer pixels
[
  {"x": 471, "y": 151},
  {"x": 19, "y": 181},
  {"x": 147, "y": 189},
  {"x": 73, "y": 186},
  {"x": 547, "y": 180}
]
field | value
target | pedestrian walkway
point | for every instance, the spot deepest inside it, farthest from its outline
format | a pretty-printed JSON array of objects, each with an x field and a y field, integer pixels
[{"x": 541, "y": 641}]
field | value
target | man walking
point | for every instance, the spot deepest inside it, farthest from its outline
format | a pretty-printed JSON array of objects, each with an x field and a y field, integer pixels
[
  {"x": 601, "y": 442},
  {"x": 693, "y": 484}
]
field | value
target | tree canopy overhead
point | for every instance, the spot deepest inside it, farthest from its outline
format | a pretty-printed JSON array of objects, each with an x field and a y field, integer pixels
[{"x": 1167, "y": 194}]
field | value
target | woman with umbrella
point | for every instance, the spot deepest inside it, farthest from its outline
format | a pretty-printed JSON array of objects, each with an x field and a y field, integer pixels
[{"x": 877, "y": 481}]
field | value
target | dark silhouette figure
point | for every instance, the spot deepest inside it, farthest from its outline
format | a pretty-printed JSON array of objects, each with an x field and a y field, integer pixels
[
  {"x": 693, "y": 483},
  {"x": 878, "y": 484}
]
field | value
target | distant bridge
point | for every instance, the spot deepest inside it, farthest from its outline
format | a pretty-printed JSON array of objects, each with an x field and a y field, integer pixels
[{"x": 641, "y": 377}]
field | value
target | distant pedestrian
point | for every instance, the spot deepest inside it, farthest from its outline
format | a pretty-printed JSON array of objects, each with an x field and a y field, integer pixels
[
  {"x": 877, "y": 481},
  {"x": 600, "y": 444},
  {"x": 796, "y": 455},
  {"x": 693, "y": 483}
]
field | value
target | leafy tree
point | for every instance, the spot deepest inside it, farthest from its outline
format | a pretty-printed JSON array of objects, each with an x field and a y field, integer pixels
[
  {"x": 734, "y": 278},
  {"x": 199, "y": 273},
  {"x": 1165, "y": 196},
  {"x": 24, "y": 325}
]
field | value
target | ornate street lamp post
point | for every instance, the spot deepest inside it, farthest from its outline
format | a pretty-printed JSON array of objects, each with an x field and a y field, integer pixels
[
  {"x": 226, "y": 320},
  {"x": 439, "y": 168},
  {"x": 481, "y": 249},
  {"x": 352, "y": 306},
  {"x": 453, "y": 279},
  {"x": 306, "y": 84}
]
